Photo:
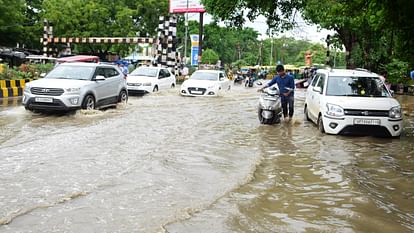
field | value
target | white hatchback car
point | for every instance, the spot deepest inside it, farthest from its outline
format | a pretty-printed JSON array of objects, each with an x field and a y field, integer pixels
[
  {"x": 205, "y": 83},
  {"x": 343, "y": 101},
  {"x": 145, "y": 79}
]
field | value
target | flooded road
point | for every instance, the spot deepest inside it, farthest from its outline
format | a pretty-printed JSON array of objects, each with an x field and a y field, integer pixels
[{"x": 166, "y": 163}]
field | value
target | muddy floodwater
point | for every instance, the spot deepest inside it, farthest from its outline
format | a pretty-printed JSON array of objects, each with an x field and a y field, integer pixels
[{"x": 166, "y": 163}]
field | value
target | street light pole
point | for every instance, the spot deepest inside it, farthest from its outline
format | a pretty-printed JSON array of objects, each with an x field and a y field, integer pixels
[
  {"x": 271, "y": 51},
  {"x": 186, "y": 35}
]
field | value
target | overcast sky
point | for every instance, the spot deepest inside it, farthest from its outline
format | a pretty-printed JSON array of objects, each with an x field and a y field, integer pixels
[{"x": 303, "y": 31}]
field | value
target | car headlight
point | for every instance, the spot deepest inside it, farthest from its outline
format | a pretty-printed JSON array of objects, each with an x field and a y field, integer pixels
[
  {"x": 72, "y": 90},
  {"x": 26, "y": 88},
  {"x": 395, "y": 112},
  {"x": 334, "y": 110},
  {"x": 146, "y": 84}
]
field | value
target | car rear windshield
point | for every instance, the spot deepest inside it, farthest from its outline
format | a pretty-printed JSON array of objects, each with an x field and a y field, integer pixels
[
  {"x": 144, "y": 71},
  {"x": 356, "y": 86},
  {"x": 72, "y": 72},
  {"x": 204, "y": 76}
]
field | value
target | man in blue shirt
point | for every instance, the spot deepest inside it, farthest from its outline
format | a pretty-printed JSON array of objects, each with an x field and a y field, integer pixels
[{"x": 286, "y": 85}]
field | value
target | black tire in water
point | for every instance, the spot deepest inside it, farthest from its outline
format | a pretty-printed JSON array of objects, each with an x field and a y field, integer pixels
[
  {"x": 123, "y": 97},
  {"x": 320, "y": 125},
  {"x": 88, "y": 102}
]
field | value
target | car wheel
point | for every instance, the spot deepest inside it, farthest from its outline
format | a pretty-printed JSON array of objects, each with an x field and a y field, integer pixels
[
  {"x": 88, "y": 103},
  {"x": 155, "y": 89},
  {"x": 320, "y": 125},
  {"x": 306, "y": 113},
  {"x": 123, "y": 97}
]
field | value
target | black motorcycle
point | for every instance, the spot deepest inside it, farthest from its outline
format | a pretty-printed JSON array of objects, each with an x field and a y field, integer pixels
[{"x": 239, "y": 79}]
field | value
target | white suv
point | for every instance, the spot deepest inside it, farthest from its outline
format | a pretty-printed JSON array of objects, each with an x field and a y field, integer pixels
[
  {"x": 71, "y": 86},
  {"x": 343, "y": 101}
]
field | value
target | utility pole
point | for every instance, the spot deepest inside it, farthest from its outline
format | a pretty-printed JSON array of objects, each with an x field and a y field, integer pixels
[
  {"x": 200, "y": 39},
  {"x": 271, "y": 51},
  {"x": 186, "y": 35}
]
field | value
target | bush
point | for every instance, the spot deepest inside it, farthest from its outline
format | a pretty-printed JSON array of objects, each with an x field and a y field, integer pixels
[
  {"x": 32, "y": 71},
  {"x": 397, "y": 72}
]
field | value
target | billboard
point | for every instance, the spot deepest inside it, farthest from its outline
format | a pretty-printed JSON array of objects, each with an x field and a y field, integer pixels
[
  {"x": 183, "y": 6},
  {"x": 194, "y": 49}
]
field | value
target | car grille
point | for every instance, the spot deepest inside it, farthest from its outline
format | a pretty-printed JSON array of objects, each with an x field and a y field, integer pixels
[
  {"x": 46, "y": 91},
  {"x": 196, "y": 90},
  {"x": 134, "y": 84},
  {"x": 360, "y": 112},
  {"x": 364, "y": 130}
]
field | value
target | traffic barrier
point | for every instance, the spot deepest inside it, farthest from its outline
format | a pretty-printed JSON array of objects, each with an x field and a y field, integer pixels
[{"x": 12, "y": 88}]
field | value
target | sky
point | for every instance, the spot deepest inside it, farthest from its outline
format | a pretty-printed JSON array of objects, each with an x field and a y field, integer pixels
[{"x": 303, "y": 31}]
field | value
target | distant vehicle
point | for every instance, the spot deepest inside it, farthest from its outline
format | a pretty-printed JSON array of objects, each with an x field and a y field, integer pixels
[
  {"x": 40, "y": 59},
  {"x": 352, "y": 102},
  {"x": 146, "y": 79},
  {"x": 205, "y": 83},
  {"x": 78, "y": 58},
  {"x": 71, "y": 86}
]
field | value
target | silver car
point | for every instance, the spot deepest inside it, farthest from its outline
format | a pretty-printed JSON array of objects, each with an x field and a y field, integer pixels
[{"x": 71, "y": 86}]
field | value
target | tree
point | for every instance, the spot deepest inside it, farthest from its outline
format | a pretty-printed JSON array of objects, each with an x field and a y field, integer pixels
[
  {"x": 11, "y": 21},
  {"x": 104, "y": 18},
  {"x": 209, "y": 57},
  {"x": 376, "y": 30},
  {"x": 279, "y": 14},
  {"x": 231, "y": 43}
]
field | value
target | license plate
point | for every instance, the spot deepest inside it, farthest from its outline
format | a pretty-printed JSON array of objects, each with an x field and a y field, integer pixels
[
  {"x": 196, "y": 92},
  {"x": 133, "y": 88},
  {"x": 359, "y": 121},
  {"x": 44, "y": 99}
]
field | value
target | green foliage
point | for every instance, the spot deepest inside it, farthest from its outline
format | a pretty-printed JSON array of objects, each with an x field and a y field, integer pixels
[
  {"x": 239, "y": 63},
  {"x": 235, "y": 13},
  {"x": 209, "y": 57},
  {"x": 397, "y": 72},
  {"x": 11, "y": 21},
  {"x": 32, "y": 71}
]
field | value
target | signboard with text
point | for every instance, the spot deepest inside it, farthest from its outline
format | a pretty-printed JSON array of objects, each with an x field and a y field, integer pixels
[
  {"x": 194, "y": 49},
  {"x": 183, "y": 6}
]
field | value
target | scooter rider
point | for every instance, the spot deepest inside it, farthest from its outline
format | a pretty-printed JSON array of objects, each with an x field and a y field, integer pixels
[{"x": 286, "y": 85}]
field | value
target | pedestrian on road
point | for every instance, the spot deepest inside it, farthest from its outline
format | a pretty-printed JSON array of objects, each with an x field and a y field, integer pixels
[{"x": 286, "y": 85}]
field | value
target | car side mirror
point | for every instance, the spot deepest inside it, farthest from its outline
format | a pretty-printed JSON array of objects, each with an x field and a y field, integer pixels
[
  {"x": 317, "y": 89},
  {"x": 392, "y": 92},
  {"x": 99, "y": 78}
]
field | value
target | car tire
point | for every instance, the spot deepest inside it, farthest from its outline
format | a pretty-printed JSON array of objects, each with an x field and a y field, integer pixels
[
  {"x": 123, "y": 97},
  {"x": 88, "y": 102},
  {"x": 306, "y": 113},
  {"x": 155, "y": 89},
  {"x": 320, "y": 124}
]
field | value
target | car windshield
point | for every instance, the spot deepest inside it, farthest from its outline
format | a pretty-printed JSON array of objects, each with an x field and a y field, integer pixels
[
  {"x": 204, "y": 76},
  {"x": 356, "y": 86},
  {"x": 144, "y": 71},
  {"x": 71, "y": 72}
]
